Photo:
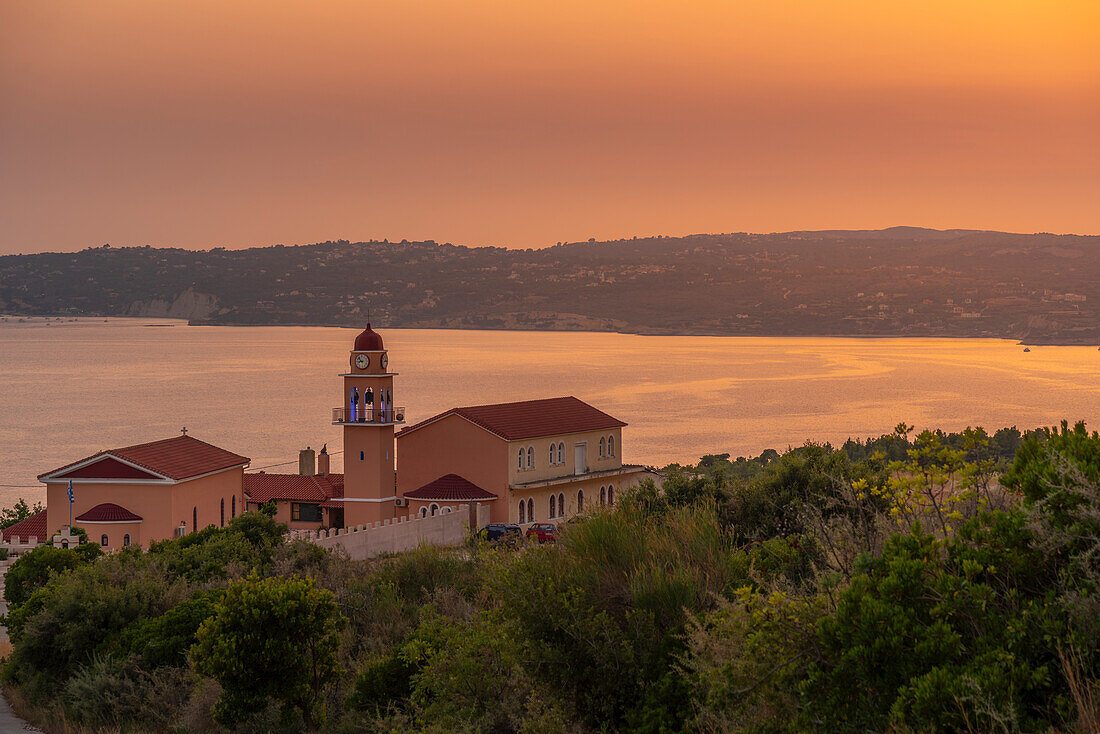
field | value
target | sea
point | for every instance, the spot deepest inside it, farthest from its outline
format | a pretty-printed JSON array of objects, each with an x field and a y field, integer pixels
[{"x": 70, "y": 388}]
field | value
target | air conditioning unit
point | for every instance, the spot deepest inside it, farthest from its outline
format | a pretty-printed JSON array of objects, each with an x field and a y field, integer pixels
[
  {"x": 181, "y": 531},
  {"x": 400, "y": 417},
  {"x": 401, "y": 502}
]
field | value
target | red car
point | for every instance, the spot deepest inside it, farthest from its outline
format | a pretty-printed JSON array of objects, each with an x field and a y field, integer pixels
[{"x": 543, "y": 532}]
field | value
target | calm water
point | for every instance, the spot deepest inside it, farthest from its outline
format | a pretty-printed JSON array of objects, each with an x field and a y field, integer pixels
[{"x": 70, "y": 389}]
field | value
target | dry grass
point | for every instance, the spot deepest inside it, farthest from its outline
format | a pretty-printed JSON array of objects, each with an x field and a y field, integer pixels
[{"x": 51, "y": 720}]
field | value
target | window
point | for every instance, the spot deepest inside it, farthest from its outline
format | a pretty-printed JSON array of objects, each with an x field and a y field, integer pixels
[
  {"x": 530, "y": 457},
  {"x": 223, "y": 512},
  {"x": 603, "y": 495},
  {"x": 553, "y": 506},
  {"x": 610, "y": 445},
  {"x": 553, "y": 454},
  {"x": 447, "y": 510},
  {"x": 522, "y": 511},
  {"x": 580, "y": 500},
  {"x": 103, "y": 540},
  {"x": 561, "y": 453},
  {"x": 126, "y": 539},
  {"x": 601, "y": 446},
  {"x": 423, "y": 511},
  {"x": 433, "y": 508},
  {"x": 233, "y": 513},
  {"x": 561, "y": 504},
  {"x": 610, "y": 494},
  {"x": 305, "y": 511},
  {"x": 360, "y": 456},
  {"x": 530, "y": 509},
  {"x": 194, "y": 519},
  {"x": 519, "y": 464}
]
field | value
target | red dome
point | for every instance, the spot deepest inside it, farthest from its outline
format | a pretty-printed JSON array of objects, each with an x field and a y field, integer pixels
[{"x": 368, "y": 341}]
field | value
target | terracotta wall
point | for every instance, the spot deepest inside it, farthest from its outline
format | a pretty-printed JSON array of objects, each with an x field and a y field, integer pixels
[
  {"x": 590, "y": 487},
  {"x": 543, "y": 469},
  {"x": 453, "y": 445},
  {"x": 162, "y": 507}
]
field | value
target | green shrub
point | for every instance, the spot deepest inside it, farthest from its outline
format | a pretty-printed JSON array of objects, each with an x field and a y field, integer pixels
[
  {"x": 270, "y": 640},
  {"x": 165, "y": 640},
  {"x": 33, "y": 569},
  {"x": 109, "y": 693}
]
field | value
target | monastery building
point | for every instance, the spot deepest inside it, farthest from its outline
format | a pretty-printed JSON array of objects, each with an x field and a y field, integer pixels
[{"x": 532, "y": 461}]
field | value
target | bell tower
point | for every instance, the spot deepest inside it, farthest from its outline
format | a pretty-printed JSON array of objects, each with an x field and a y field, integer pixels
[{"x": 369, "y": 418}]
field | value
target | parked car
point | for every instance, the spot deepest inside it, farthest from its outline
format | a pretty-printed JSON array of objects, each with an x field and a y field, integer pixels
[
  {"x": 543, "y": 532},
  {"x": 499, "y": 532}
]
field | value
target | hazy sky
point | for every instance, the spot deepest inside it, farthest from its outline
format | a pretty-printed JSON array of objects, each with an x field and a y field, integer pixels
[{"x": 201, "y": 123}]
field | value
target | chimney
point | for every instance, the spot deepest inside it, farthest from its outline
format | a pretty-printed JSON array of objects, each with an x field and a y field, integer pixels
[
  {"x": 322, "y": 461},
  {"x": 307, "y": 462}
]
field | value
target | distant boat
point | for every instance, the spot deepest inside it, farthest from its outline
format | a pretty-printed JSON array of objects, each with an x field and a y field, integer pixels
[{"x": 1027, "y": 349}]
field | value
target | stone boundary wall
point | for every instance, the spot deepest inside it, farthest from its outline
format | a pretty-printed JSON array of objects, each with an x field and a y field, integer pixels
[{"x": 400, "y": 534}]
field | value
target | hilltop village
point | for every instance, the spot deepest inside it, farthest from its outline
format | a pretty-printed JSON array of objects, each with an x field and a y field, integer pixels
[
  {"x": 532, "y": 461},
  {"x": 903, "y": 281}
]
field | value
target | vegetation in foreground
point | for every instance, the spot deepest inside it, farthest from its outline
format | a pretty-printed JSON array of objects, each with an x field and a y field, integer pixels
[{"x": 926, "y": 584}]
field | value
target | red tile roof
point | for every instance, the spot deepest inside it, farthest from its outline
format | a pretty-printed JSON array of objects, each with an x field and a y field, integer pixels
[
  {"x": 450, "y": 488},
  {"x": 531, "y": 418},
  {"x": 263, "y": 487},
  {"x": 108, "y": 512},
  {"x": 108, "y": 467},
  {"x": 181, "y": 457},
  {"x": 31, "y": 527}
]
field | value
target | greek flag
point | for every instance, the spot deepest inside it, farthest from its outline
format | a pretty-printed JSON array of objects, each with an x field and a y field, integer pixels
[{"x": 71, "y": 498}]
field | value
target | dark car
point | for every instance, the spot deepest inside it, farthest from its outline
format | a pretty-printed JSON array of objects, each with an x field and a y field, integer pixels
[
  {"x": 543, "y": 532},
  {"x": 499, "y": 532}
]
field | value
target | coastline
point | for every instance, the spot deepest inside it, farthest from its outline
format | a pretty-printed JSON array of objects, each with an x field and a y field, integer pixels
[{"x": 1029, "y": 341}]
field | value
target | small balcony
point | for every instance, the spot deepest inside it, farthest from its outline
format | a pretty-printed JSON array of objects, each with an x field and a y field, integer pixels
[{"x": 377, "y": 416}]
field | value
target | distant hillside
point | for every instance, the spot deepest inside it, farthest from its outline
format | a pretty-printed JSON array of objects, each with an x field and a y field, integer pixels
[{"x": 908, "y": 281}]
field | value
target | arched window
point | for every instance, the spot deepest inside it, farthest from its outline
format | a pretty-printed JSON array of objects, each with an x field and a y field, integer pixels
[
  {"x": 223, "y": 512},
  {"x": 601, "y": 446},
  {"x": 522, "y": 512},
  {"x": 610, "y": 445},
  {"x": 530, "y": 457},
  {"x": 553, "y": 506},
  {"x": 553, "y": 452},
  {"x": 610, "y": 494},
  {"x": 561, "y": 453},
  {"x": 561, "y": 504},
  {"x": 530, "y": 509},
  {"x": 603, "y": 495},
  {"x": 580, "y": 500},
  {"x": 433, "y": 508},
  {"x": 194, "y": 519},
  {"x": 234, "y": 510},
  {"x": 423, "y": 511},
  {"x": 126, "y": 539},
  {"x": 519, "y": 464},
  {"x": 103, "y": 540}
]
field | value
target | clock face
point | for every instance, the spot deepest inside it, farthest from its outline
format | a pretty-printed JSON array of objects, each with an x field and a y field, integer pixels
[
  {"x": 385, "y": 360},
  {"x": 362, "y": 361}
]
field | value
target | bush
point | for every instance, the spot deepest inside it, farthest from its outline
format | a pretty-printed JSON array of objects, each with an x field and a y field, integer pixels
[
  {"x": 270, "y": 640},
  {"x": 63, "y": 625},
  {"x": 35, "y": 568},
  {"x": 165, "y": 640},
  {"x": 110, "y": 693}
]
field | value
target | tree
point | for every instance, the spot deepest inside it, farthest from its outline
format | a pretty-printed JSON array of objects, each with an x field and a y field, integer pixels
[
  {"x": 270, "y": 639},
  {"x": 18, "y": 512}
]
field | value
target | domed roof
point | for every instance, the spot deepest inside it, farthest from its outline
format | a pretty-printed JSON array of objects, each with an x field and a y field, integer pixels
[{"x": 368, "y": 341}]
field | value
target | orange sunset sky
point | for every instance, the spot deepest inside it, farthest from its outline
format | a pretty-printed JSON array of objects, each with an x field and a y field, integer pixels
[{"x": 201, "y": 123}]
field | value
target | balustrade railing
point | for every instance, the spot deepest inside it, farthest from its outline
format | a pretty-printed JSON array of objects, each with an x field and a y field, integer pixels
[{"x": 359, "y": 414}]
